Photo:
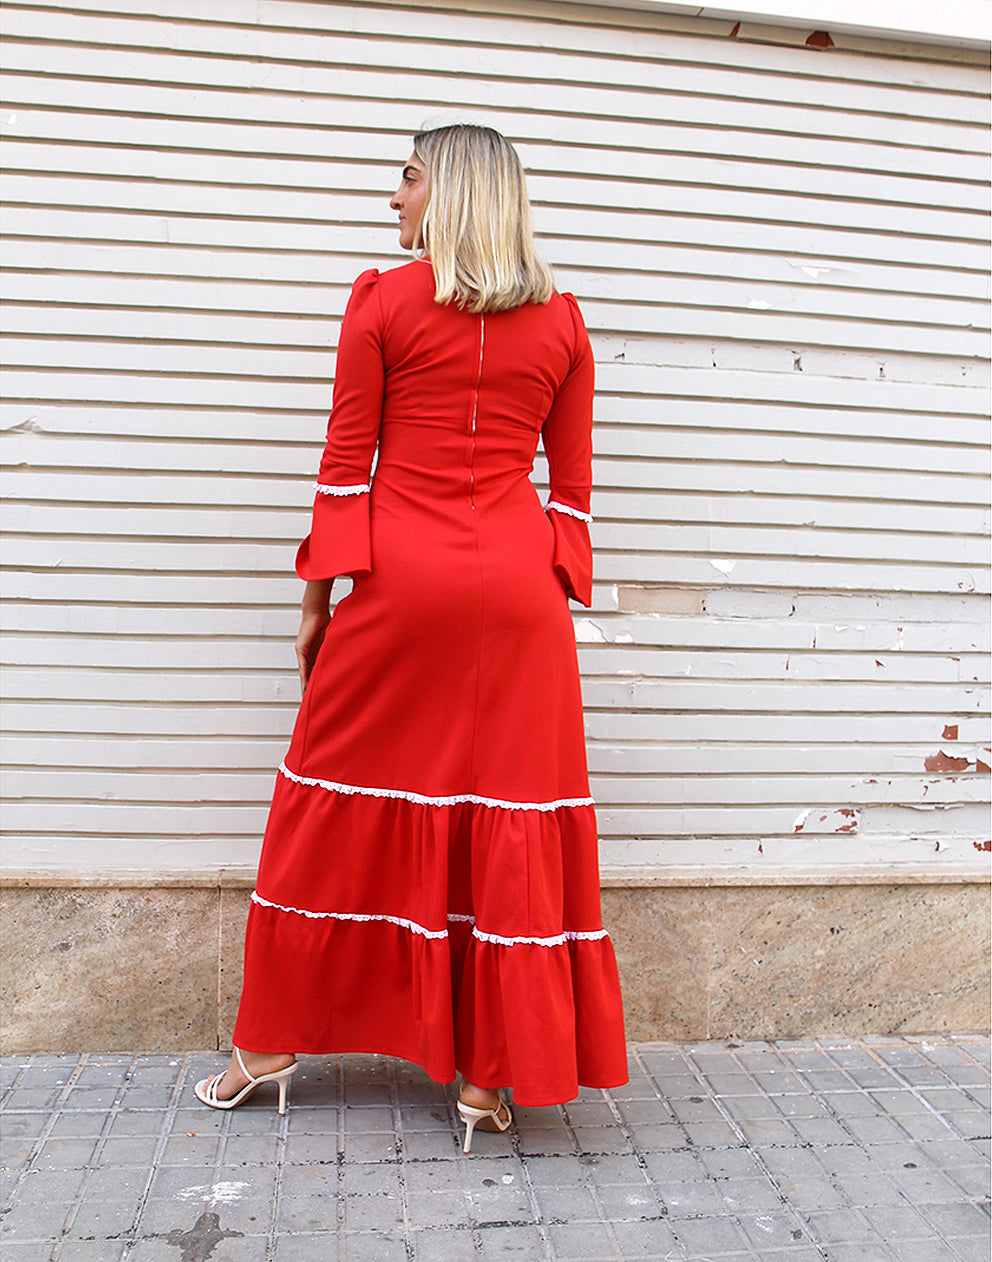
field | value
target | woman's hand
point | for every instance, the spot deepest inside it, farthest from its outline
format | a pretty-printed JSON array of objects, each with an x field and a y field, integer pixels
[{"x": 315, "y": 617}]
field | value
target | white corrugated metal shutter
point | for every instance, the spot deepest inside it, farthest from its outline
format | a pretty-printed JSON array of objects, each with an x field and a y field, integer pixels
[{"x": 781, "y": 256}]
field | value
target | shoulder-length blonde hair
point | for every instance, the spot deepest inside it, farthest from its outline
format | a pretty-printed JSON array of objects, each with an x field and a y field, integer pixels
[{"x": 476, "y": 226}]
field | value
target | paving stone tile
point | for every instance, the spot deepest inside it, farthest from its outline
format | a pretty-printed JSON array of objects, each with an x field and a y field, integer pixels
[
  {"x": 312, "y": 1121},
  {"x": 972, "y": 1180},
  {"x": 17, "y": 1152},
  {"x": 305, "y": 1215},
  {"x": 522, "y": 1243},
  {"x": 84, "y": 1251},
  {"x": 695, "y": 1108},
  {"x": 802, "y": 1106},
  {"x": 716, "y": 1134},
  {"x": 310, "y": 1180},
  {"x": 961, "y": 1219},
  {"x": 250, "y": 1150},
  {"x": 640, "y": 1087},
  {"x": 731, "y": 1163},
  {"x": 844, "y": 1159},
  {"x": 370, "y": 1180},
  {"x": 690, "y": 1200},
  {"x": 438, "y": 1145},
  {"x": 547, "y": 1143},
  {"x": 425, "y": 1118},
  {"x": 925, "y": 1186},
  {"x": 599, "y": 1139},
  {"x": 797, "y": 1163},
  {"x": 773, "y": 1230},
  {"x": 874, "y": 1190},
  {"x": 89, "y": 1098},
  {"x": 104, "y": 1183},
  {"x": 590, "y": 1113},
  {"x": 840, "y": 1226},
  {"x": 432, "y": 1176},
  {"x": 189, "y": 1150},
  {"x": 39, "y": 1098},
  {"x": 750, "y": 1108},
  {"x": 126, "y": 1150},
  {"x": 54, "y": 1187},
  {"x": 566, "y": 1171},
  {"x": 22, "y": 1125},
  {"x": 382, "y": 1212},
  {"x": 710, "y": 1237},
  {"x": 626, "y": 1202},
  {"x": 47, "y": 1075},
  {"x": 849, "y": 1104},
  {"x": 612, "y": 1169},
  {"x": 584, "y": 1241},
  {"x": 897, "y": 1224},
  {"x": 379, "y": 1147},
  {"x": 375, "y": 1246},
  {"x": 444, "y": 1245},
  {"x": 498, "y": 1202},
  {"x": 133, "y": 1121},
  {"x": 970, "y": 1248},
  {"x": 304, "y": 1248},
  {"x": 438, "y": 1209},
  {"x": 809, "y": 1194},
  {"x": 822, "y": 1130},
  {"x": 29, "y": 1220},
  {"x": 769, "y": 1131},
  {"x": 875, "y": 1130},
  {"x": 104, "y": 1218},
  {"x": 749, "y": 1196},
  {"x": 676, "y": 1167},
  {"x": 861, "y": 1252},
  {"x": 308, "y": 1149},
  {"x": 567, "y": 1204},
  {"x": 658, "y": 1138}
]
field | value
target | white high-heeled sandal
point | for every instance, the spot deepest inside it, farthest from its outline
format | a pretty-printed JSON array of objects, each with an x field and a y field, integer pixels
[
  {"x": 472, "y": 1117},
  {"x": 206, "y": 1089}
]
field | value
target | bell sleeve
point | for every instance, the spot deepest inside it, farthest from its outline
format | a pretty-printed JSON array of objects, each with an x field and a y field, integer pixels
[
  {"x": 339, "y": 541},
  {"x": 567, "y": 438}
]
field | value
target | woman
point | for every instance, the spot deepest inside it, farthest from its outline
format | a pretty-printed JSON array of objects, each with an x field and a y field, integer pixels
[{"x": 428, "y": 886}]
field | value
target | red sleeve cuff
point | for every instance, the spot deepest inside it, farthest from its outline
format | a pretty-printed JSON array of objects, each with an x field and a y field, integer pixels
[
  {"x": 573, "y": 555},
  {"x": 340, "y": 539}
]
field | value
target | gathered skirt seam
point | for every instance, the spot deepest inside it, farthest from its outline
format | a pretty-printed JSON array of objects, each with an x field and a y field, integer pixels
[
  {"x": 422, "y": 799},
  {"x": 559, "y": 939}
]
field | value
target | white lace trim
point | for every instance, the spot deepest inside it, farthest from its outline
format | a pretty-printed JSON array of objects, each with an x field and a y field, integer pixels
[
  {"x": 559, "y": 939},
  {"x": 422, "y": 800},
  {"x": 324, "y": 488},
  {"x": 567, "y": 509},
  {"x": 349, "y": 915},
  {"x": 592, "y": 935}
]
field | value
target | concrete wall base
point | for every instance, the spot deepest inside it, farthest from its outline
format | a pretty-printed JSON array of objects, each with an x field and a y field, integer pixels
[{"x": 156, "y": 966}]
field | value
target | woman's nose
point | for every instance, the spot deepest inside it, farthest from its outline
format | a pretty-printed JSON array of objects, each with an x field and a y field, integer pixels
[{"x": 395, "y": 203}]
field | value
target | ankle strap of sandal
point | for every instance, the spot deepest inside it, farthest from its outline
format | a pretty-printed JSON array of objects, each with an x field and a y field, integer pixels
[{"x": 244, "y": 1067}]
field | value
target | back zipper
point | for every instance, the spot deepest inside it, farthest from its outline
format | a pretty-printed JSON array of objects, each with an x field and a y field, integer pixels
[{"x": 475, "y": 408}]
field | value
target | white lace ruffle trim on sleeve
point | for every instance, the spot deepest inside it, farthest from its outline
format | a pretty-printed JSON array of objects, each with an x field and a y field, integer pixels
[
  {"x": 555, "y": 506},
  {"x": 324, "y": 488}
]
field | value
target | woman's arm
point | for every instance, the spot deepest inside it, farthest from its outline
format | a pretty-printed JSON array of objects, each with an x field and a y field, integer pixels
[{"x": 316, "y": 615}]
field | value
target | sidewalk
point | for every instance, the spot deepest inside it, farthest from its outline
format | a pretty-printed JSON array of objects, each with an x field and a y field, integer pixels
[{"x": 837, "y": 1149}]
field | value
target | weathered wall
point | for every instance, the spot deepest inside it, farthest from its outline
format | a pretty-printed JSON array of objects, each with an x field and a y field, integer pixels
[{"x": 781, "y": 255}]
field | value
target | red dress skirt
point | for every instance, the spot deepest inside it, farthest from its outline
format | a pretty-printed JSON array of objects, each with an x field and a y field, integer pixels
[{"x": 428, "y": 886}]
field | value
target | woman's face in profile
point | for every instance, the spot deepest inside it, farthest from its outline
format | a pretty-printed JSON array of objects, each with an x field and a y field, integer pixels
[{"x": 408, "y": 200}]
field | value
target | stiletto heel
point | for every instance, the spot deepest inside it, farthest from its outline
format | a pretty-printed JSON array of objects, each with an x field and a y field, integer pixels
[
  {"x": 206, "y": 1089},
  {"x": 497, "y": 1119}
]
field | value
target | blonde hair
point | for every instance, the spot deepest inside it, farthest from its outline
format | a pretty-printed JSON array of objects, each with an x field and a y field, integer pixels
[{"x": 476, "y": 226}]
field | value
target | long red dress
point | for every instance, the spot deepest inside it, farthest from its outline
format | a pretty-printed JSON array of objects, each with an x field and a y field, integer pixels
[{"x": 428, "y": 885}]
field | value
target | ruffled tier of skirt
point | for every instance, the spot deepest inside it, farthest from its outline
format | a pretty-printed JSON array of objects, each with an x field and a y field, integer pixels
[{"x": 463, "y": 936}]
